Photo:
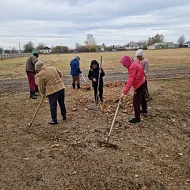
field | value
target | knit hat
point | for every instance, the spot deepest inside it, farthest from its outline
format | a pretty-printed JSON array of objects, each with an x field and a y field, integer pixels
[
  {"x": 39, "y": 65},
  {"x": 126, "y": 61},
  {"x": 77, "y": 57},
  {"x": 35, "y": 54},
  {"x": 139, "y": 52}
]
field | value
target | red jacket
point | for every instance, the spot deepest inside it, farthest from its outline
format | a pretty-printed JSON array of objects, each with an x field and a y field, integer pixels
[{"x": 136, "y": 76}]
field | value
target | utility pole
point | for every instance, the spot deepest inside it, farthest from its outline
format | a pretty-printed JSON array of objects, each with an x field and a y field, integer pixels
[{"x": 19, "y": 49}]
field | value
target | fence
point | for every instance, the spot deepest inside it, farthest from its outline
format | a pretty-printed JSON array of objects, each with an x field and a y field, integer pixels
[{"x": 13, "y": 55}]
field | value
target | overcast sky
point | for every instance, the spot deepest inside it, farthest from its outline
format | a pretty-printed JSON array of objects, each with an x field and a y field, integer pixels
[{"x": 110, "y": 21}]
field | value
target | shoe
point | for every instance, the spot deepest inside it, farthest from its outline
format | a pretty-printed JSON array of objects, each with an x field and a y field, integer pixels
[
  {"x": 134, "y": 120},
  {"x": 53, "y": 123},
  {"x": 78, "y": 86},
  {"x": 101, "y": 100},
  {"x": 144, "y": 112},
  {"x": 32, "y": 94},
  {"x": 73, "y": 85},
  {"x": 64, "y": 118}
]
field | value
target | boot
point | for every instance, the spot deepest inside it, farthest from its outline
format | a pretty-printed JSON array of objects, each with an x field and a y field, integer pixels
[
  {"x": 73, "y": 85},
  {"x": 36, "y": 91},
  {"x": 78, "y": 86},
  {"x": 32, "y": 94}
]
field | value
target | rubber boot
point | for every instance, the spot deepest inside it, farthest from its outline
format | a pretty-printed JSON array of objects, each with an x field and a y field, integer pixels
[
  {"x": 36, "y": 91},
  {"x": 32, "y": 94},
  {"x": 73, "y": 85},
  {"x": 78, "y": 86}
]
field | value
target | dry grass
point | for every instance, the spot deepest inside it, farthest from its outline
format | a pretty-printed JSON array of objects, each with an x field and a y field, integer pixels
[{"x": 157, "y": 59}]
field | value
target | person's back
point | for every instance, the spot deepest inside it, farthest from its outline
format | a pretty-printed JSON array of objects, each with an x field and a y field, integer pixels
[
  {"x": 30, "y": 64},
  {"x": 51, "y": 79},
  {"x": 30, "y": 71},
  {"x": 75, "y": 69},
  {"x": 51, "y": 85}
]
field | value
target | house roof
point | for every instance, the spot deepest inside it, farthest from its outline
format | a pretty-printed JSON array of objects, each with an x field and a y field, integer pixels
[
  {"x": 101, "y": 46},
  {"x": 188, "y": 42},
  {"x": 164, "y": 43},
  {"x": 47, "y": 47},
  {"x": 170, "y": 43},
  {"x": 132, "y": 44},
  {"x": 160, "y": 44}
]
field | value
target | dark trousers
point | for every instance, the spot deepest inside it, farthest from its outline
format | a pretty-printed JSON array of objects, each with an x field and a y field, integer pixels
[
  {"x": 139, "y": 99},
  {"x": 147, "y": 95},
  {"x": 31, "y": 81},
  {"x": 53, "y": 98},
  {"x": 100, "y": 90}
]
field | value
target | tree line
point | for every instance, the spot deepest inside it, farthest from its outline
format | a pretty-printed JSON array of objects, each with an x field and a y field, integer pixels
[{"x": 90, "y": 45}]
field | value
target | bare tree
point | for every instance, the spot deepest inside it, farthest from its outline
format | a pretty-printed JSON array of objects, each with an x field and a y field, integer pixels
[
  {"x": 157, "y": 38},
  {"x": 14, "y": 50},
  {"x": 77, "y": 46},
  {"x": 29, "y": 47},
  {"x": 90, "y": 42},
  {"x": 181, "y": 40},
  {"x": 40, "y": 46}
]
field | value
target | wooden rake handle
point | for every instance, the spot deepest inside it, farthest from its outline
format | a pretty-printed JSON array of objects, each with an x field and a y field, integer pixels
[
  {"x": 30, "y": 124},
  {"x": 108, "y": 137}
]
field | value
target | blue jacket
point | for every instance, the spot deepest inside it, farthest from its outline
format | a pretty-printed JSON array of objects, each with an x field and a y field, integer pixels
[{"x": 75, "y": 67}]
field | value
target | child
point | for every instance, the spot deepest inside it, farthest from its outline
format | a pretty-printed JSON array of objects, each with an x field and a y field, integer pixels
[
  {"x": 93, "y": 75},
  {"x": 136, "y": 79},
  {"x": 144, "y": 63}
]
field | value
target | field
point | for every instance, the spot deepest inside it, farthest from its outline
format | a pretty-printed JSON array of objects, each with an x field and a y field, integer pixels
[
  {"x": 169, "y": 58},
  {"x": 153, "y": 155}
]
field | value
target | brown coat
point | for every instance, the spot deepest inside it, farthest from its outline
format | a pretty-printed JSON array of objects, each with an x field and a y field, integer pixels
[
  {"x": 49, "y": 80},
  {"x": 30, "y": 64}
]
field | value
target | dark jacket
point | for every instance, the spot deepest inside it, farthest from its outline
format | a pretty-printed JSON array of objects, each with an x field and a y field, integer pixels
[
  {"x": 75, "y": 67},
  {"x": 94, "y": 73},
  {"x": 30, "y": 64}
]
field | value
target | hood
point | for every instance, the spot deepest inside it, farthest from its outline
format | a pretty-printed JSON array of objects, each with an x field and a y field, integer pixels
[
  {"x": 126, "y": 61},
  {"x": 94, "y": 62}
]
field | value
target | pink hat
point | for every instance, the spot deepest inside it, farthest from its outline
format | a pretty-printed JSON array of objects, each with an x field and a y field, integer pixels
[{"x": 126, "y": 61}]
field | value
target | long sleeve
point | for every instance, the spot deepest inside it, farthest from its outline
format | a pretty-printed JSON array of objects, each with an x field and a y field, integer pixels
[
  {"x": 146, "y": 67},
  {"x": 59, "y": 73},
  {"x": 78, "y": 67},
  {"x": 131, "y": 76},
  {"x": 90, "y": 75},
  {"x": 41, "y": 85}
]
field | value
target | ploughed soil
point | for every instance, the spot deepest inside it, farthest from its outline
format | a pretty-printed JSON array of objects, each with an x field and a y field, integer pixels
[
  {"x": 16, "y": 85},
  {"x": 152, "y": 155}
]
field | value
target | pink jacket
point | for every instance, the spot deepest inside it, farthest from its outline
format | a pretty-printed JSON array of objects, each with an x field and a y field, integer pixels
[
  {"x": 136, "y": 76},
  {"x": 143, "y": 63}
]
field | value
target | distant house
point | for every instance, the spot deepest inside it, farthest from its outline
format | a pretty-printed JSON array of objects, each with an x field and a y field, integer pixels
[
  {"x": 162, "y": 45},
  {"x": 101, "y": 47},
  {"x": 132, "y": 46},
  {"x": 186, "y": 44},
  {"x": 45, "y": 50}
]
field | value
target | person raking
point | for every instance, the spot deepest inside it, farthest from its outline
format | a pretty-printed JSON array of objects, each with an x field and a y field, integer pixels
[
  {"x": 75, "y": 71},
  {"x": 136, "y": 79},
  {"x": 30, "y": 71},
  {"x": 50, "y": 84},
  {"x": 93, "y": 75}
]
